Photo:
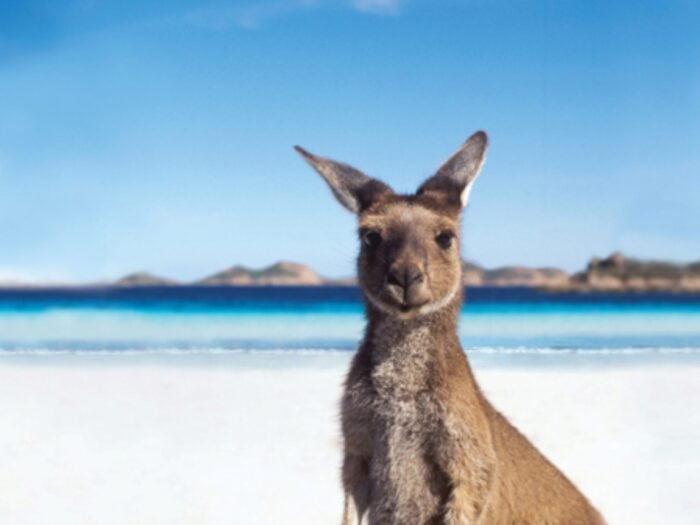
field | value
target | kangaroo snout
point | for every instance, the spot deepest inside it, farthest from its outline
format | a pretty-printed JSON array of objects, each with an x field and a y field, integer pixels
[{"x": 406, "y": 283}]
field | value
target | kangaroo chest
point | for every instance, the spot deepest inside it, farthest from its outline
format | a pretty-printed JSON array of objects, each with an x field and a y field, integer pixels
[{"x": 406, "y": 485}]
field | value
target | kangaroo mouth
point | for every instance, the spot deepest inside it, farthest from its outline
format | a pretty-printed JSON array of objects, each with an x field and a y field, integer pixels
[
  {"x": 401, "y": 305},
  {"x": 405, "y": 300},
  {"x": 408, "y": 307}
]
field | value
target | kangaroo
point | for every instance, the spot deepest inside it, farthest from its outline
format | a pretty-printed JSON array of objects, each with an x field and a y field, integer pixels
[{"x": 422, "y": 444}]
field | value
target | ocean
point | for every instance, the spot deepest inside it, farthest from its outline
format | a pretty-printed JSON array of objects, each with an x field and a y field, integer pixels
[{"x": 494, "y": 321}]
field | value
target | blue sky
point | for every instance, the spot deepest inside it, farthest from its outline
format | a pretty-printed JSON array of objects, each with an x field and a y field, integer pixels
[{"x": 158, "y": 135}]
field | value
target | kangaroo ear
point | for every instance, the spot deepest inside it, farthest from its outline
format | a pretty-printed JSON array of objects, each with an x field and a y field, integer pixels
[
  {"x": 455, "y": 177},
  {"x": 353, "y": 189}
]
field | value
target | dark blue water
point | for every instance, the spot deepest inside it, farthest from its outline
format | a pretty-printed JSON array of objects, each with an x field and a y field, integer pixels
[
  {"x": 298, "y": 298},
  {"x": 255, "y": 318}
]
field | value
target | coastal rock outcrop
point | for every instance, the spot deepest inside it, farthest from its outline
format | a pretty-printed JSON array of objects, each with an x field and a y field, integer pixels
[
  {"x": 475, "y": 275},
  {"x": 619, "y": 273},
  {"x": 283, "y": 273},
  {"x": 137, "y": 279}
]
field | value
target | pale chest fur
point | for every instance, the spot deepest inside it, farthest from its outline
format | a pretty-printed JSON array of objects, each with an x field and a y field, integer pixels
[
  {"x": 402, "y": 366},
  {"x": 406, "y": 487}
]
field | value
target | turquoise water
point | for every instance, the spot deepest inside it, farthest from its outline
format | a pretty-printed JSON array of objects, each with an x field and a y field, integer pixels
[{"x": 303, "y": 319}]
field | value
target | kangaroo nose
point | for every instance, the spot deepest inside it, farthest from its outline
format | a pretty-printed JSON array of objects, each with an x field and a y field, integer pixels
[{"x": 405, "y": 276}]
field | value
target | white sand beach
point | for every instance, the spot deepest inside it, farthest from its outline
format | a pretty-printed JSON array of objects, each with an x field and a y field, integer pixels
[{"x": 241, "y": 439}]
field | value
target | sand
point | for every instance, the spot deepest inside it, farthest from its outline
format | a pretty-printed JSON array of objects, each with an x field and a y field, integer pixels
[{"x": 254, "y": 439}]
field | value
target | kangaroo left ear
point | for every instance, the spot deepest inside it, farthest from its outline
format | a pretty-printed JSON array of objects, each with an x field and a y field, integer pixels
[
  {"x": 352, "y": 188},
  {"x": 455, "y": 177}
]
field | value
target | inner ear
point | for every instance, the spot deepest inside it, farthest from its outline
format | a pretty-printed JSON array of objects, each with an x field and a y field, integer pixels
[
  {"x": 453, "y": 181},
  {"x": 352, "y": 188}
]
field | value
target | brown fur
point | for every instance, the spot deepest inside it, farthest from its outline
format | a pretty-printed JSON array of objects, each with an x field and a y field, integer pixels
[{"x": 422, "y": 443}]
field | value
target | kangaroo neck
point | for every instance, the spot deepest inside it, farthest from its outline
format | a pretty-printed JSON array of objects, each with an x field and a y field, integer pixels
[{"x": 429, "y": 334}]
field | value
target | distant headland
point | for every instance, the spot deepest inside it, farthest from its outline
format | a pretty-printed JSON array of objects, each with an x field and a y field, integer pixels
[
  {"x": 282, "y": 273},
  {"x": 615, "y": 273}
]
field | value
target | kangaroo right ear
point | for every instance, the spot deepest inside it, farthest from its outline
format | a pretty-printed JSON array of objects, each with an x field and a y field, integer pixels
[
  {"x": 455, "y": 177},
  {"x": 353, "y": 189}
]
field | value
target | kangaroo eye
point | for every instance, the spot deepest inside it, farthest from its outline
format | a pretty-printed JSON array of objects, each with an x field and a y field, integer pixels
[
  {"x": 371, "y": 239},
  {"x": 444, "y": 240}
]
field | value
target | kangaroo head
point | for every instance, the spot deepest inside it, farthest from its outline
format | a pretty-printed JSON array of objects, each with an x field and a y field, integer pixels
[{"x": 409, "y": 262}]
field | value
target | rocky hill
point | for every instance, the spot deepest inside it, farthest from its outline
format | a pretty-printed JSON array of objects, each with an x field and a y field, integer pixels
[
  {"x": 475, "y": 275},
  {"x": 619, "y": 273},
  {"x": 283, "y": 273},
  {"x": 137, "y": 279}
]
